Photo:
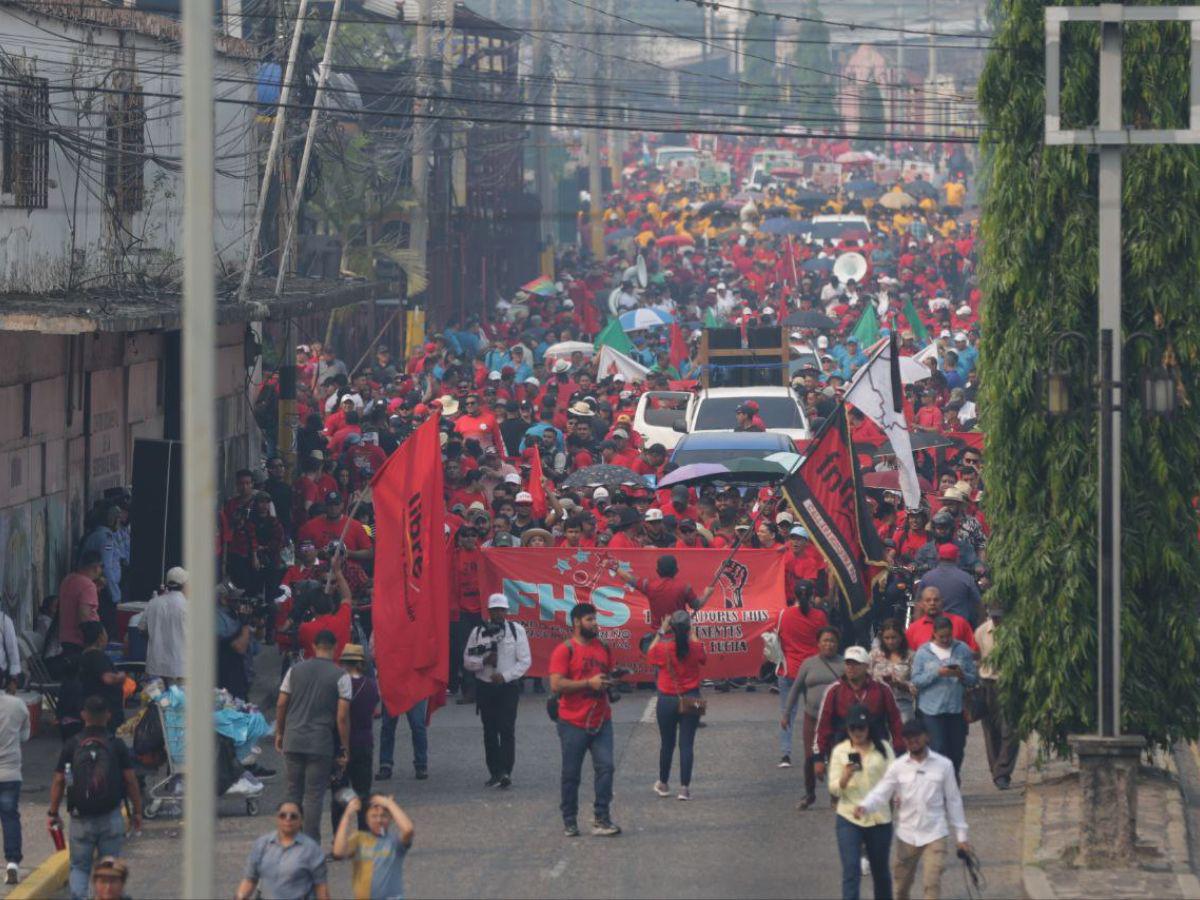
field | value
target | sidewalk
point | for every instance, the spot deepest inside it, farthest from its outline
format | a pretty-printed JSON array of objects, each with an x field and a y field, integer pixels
[
  {"x": 38, "y": 760},
  {"x": 1051, "y": 836}
]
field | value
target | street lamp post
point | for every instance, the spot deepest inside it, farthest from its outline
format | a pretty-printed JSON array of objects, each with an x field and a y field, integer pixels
[{"x": 1108, "y": 759}]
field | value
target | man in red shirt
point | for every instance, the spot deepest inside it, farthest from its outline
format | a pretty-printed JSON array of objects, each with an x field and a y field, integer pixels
[
  {"x": 856, "y": 688},
  {"x": 921, "y": 630},
  {"x": 623, "y": 454},
  {"x": 581, "y": 669},
  {"x": 466, "y": 608},
  {"x": 237, "y": 506},
  {"x": 668, "y": 592},
  {"x": 651, "y": 460},
  {"x": 324, "y": 530},
  {"x": 804, "y": 562}
]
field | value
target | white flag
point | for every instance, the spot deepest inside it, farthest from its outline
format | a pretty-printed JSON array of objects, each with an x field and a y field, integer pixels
[
  {"x": 876, "y": 391},
  {"x": 613, "y": 362}
]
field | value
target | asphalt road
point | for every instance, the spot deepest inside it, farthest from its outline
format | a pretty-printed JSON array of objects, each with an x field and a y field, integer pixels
[{"x": 741, "y": 835}]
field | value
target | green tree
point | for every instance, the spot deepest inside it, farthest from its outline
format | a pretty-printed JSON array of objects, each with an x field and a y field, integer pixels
[
  {"x": 759, "y": 91},
  {"x": 810, "y": 75},
  {"x": 1039, "y": 270}
]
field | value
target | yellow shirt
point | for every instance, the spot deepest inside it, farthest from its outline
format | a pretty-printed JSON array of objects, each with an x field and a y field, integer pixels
[
  {"x": 875, "y": 765},
  {"x": 955, "y": 193}
]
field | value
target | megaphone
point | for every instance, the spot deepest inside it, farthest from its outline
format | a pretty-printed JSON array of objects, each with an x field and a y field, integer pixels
[
  {"x": 643, "y": 276},
  {"x": 850, "y": 266}
]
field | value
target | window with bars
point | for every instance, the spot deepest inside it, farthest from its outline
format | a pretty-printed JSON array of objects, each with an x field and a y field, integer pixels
[
  {"x": 25, "y": 142},
  {"x": 125, "y": 140}
]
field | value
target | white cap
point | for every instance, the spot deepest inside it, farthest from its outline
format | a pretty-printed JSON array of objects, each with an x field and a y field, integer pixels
[
  {"x": 568, "y": 303},
  {"x": 857, "y": 655},
  {"x": 720, "y": 285},
  {"x": 524, "y": 497},
  {"x": 768, "y": 311},
  {"x": 533, "y": 381},
  {"x": 561, "y": 365},
  {"x": 493, "y": 375},
  {"x": 625, "y": 395},
  {"x": 621, "y": 433},
  {"x": 964, "y": 310},
  {"x": 784, "y": 516},
  {"x": 822, "y": 342},
  {"x": 601, "y": 493},
  {"x": 177, "y": 575},
  {"x": 512, "y": 478},
  {"x": 796, "y": 336},
  {"x": 618, "y": 377},
  {"x": 960, "y": 335},
  {"x": 497, "y": 601},
  {"x": 355, "y": 399},
  {"x": 654, "y": 515},
  {"x": 945, "y": 333},
  {"x": 746, "y": 310}
]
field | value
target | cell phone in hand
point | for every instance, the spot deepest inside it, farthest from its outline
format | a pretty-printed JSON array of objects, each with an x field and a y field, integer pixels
[{"x": 856, "y": 759}]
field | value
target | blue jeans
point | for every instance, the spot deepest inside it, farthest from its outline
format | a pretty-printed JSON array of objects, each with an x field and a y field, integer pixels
[
  {"x": 10, "y": 819},
  {"x": 576, "y": 742},
  {"x": 878, "y": 841},
  {"x": 669, "y": 720},
  {"x": 91, "y": 836},
  {"x": 420, "y": 737},
  {"x": 947, "y": 736},
  {"x": 785, "y": 735}
]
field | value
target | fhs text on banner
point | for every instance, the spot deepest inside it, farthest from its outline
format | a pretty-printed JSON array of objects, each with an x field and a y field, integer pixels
[{"x": 543, "y": 584}]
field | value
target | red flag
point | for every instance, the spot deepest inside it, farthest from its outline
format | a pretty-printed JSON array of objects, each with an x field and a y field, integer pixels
[
  {"x": 679, "y": 350},
  {"x": 537, "y": 490},
  {"x": 410, "y": 609}
]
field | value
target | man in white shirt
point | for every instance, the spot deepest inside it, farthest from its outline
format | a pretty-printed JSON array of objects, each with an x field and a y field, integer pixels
[
  {"x": 165, "y": 624},
  {"x": 10, "y": 653},
  {"x": 14, "y": 731},
  {"x": 498, "y": 653},
  {"x": 930, "y": 804}
]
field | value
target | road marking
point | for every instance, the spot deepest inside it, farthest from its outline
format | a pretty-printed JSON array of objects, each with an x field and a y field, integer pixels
[
  {"x": 557, "y": 870},
  {"x": 648, "y": 712}
]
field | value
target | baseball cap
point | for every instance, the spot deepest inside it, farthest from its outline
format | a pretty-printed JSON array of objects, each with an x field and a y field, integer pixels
[
  {"x": 497, "y": 601},
  {"x": 799, "y": 531},
  {"x": 333, "y": 497},
  {"x": 784, "y": 516},
  {"x": 948, "y": 552},
  {"x": 858, "y": 716},
  {"x": 620, "y": 433},
  {"x": 512, "y": 478},
  {"x": 654, "y": 515},
  {"x": 822, "y": 342},
  {"x": 856, "y": 654},
  {"x": 524, "y": 497},
  {"x": 600, "y": 494},
  {"x": 177, "y": 575}
]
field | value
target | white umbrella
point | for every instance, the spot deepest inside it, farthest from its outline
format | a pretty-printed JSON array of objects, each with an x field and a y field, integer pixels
[{"x": 565, "y": 349}]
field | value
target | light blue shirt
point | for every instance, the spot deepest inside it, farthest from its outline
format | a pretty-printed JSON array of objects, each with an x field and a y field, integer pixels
[
  {"x": 104, "y": 541},
  {"x": 942, "y": 694}
]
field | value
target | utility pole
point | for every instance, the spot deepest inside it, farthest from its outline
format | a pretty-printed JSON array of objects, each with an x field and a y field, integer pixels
[
  {"x": 539, "y": 87},
  {"x": 616, "y": 138},
  {"x": 419, "y": 232},
  {"x": 199, "y": 340},
  {"x": 306, "y": 157},
  {"x": 285, "y": 95},
  {"x": 1108, "y": 760},
  {"x": 592, "y": 136},
  {"x": 932, "y": 42}
]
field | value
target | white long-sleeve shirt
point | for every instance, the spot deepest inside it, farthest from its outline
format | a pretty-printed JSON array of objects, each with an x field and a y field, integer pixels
[
  {"x": 512, "y": 653},
  {"x": 10, "y": 652},
  {"x": 930, "y": 801}
]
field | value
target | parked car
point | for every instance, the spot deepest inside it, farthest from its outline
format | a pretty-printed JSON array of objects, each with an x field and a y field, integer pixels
[
  {"x": 657, "y": 413},
  {"x": 722, "y": 446},
  {"x": 778, "y": 407}
]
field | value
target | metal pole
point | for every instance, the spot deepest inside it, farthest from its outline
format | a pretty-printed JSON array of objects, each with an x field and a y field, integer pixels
[
  {"x": 314, "y": 114},
  {"x": 199, "y": 426},
  {"x": 593, "y": 136},
  {"x": 419, "y": 233},
  {"x": 1109, "y": 632},
  {"x": 272, "y": 155}
]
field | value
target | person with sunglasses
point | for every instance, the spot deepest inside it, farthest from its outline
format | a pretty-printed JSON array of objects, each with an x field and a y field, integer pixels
[{"x": 285, "y": 862}]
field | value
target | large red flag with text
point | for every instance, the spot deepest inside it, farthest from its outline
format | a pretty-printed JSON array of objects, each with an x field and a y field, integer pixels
[{"x": 410, "y": 610}]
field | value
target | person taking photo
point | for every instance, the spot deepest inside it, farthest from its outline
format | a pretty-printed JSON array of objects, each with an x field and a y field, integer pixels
[
  {"x": 856, "y": 765},
  {"x": 678, "y": 656}
]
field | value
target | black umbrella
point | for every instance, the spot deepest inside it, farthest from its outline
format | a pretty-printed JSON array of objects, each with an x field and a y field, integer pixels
[
  {"x": 808, "y": 196},
  {"x": 817, "y": 264},
  {"x": 775, "y": 212},
  {"x": 603, "y": 475},
  {"x": 710, "y": 207},
  {"x": 921, "y": 189},
  {"x": 809, "y": 318},
  {"x": 921, "y": 440},
  {"x": 862, "y": 187}
]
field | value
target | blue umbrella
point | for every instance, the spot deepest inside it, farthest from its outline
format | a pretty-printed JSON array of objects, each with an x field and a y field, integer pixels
[
  {"x": 641, "y": 319},
  {"x": 817, "y": 265},
  {"x": 863, "y": 187},
  {"x": 620, "y": 234},
  {"x": 780, "y": 226}
]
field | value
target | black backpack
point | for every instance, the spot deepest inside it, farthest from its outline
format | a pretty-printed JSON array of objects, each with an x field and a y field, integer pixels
[{"x": 96, "y": 781}]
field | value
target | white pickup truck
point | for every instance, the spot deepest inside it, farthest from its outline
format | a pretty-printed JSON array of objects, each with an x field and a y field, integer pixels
[{"x": 663, "y": 416}]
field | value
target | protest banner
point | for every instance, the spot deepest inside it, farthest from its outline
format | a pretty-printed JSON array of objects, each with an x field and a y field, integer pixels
[{"x": 543, "y": 584}]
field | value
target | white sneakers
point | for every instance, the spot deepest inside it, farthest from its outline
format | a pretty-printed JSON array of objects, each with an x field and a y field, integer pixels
[
  {"x": 684, "y": 794},
  {"x": 662, "y": 789},
  {"x": 11, "y": 874}
]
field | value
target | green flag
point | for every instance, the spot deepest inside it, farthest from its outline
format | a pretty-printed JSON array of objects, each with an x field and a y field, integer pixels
[
  {"x": 710, "y": 319},
  {"x": 915, "y": 325},
  {"x": 867, "y": 329},
  {"x": 613, "y": 335}
]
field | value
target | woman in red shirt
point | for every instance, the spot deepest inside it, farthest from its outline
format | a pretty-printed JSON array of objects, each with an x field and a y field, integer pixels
[{"x": 678, "y": 659}]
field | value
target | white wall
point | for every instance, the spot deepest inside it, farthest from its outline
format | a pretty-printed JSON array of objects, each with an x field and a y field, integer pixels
[{"x": 36, "y": 245}]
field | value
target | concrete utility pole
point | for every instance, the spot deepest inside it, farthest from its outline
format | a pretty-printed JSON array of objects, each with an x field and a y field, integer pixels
[
  {"x": 593, "y": 136},
  {"x": 616, "y": 138},
  {"x": 306, "y": 157},
  {"x": 285, "y": 96},
  {"x": 419, "y": 232},
  {"x": 199, "y": 451},
  {"x": 545, "y": 189},
  {"x": 1108, "y": 760}
]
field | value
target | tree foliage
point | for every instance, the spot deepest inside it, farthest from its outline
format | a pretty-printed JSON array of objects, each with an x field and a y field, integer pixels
[
  {"x": 759, "y": 89},
  {"x": 1039, "y": 268},
  {"x": 810, "y": 76}
]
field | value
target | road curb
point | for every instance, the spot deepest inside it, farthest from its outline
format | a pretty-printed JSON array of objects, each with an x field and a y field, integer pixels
[
  {"x": 1034, "y": 883},
  {"x": 46, "y": 880}
]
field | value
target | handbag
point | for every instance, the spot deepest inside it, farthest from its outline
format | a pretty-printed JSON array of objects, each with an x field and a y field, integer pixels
[
  {"x": 772, "y": 648},
  {"x": 688, "y": 706}
]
